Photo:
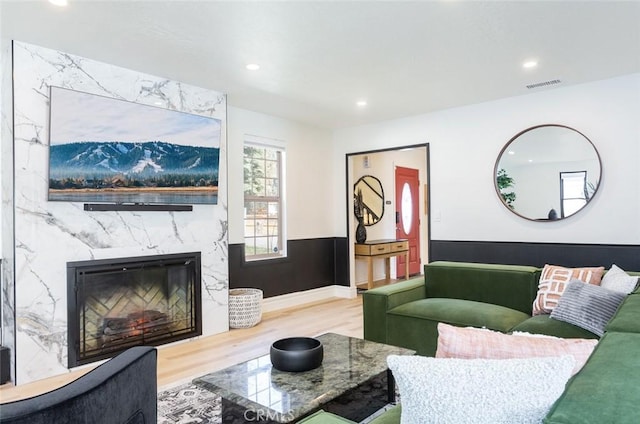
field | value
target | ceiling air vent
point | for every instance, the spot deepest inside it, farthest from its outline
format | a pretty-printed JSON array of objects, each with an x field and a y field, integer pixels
[{"x": 544, "y": 84}]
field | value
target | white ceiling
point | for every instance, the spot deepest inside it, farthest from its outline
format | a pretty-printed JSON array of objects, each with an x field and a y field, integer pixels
[{"x": 319, "y": 57}]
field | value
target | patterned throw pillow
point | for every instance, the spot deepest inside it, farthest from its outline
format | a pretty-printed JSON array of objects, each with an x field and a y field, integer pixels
[
  {"x": 480, "y": 343},
  {"x": 553, "y": 281},
  {"x": 472, "y": 391},
  {"x": 587, "y": 306},
  {"x": 617, "y": 280}
]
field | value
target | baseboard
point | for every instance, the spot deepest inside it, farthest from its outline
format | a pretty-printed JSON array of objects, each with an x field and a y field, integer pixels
[{"x": 289, "y": 300}]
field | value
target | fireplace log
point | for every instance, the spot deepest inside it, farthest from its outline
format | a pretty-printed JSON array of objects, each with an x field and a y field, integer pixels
[
  {"x": 116, "y": 325},
  {"x": 117, "y": 329}
]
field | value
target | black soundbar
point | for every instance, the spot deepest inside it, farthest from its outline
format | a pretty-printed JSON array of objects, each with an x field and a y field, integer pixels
[{"x": 102, "y": 207}]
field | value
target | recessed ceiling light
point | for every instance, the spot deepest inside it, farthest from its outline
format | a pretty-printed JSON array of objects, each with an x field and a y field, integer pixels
[
  {"x": 253, "y": 66},
  {"x": 530, "y": 64},
  {"x": 59, "y": 2},
  {"x": 361, "y": 103}
]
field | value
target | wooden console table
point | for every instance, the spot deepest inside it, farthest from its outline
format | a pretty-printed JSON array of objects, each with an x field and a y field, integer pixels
[{"x": 383, "y": 249}]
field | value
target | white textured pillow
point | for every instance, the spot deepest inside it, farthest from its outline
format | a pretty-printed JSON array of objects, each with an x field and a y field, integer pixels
[
  {"x": 617, "y": 280},
  {"x": 478, "y": 391}
]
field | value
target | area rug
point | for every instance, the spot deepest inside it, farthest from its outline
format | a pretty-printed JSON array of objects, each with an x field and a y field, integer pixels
[{"x": 190, "y": 404}]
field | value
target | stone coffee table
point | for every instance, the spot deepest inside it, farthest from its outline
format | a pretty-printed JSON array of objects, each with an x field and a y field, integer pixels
[{"x": 353, "y": 381}]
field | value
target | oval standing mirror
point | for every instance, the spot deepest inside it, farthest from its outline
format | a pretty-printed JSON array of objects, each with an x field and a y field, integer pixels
[
  {"x": 547, "y": 172},
  {"x": 368, "y": 199}
]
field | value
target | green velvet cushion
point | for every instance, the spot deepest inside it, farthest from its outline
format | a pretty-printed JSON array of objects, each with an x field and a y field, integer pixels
[
  {"x": 606, "y": 390},
  {"x": 322, "y": 417},
  {"x": 628, "y": 316},
  {"x": 392, "y": 416},
  {"x": 462, "y": 313},
  {"x": 376, "y": 303},
  {"x": 511, "y": 286},
  {"x": 415, "y": 324},
  {"x": 543, "y": 324},
  {"x": 636, "y": 273}
]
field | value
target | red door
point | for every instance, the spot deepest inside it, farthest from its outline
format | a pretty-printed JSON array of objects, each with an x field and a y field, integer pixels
[{"x": 407, "y": 218}]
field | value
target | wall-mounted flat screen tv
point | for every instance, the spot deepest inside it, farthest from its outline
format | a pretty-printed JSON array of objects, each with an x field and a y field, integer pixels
[{"x": 109, "y": 150}]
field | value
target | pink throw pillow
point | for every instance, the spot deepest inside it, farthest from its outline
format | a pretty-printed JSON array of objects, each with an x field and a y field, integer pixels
[
  {"x": 553, "y": 281},
  {"x": 480, "y": 343}
]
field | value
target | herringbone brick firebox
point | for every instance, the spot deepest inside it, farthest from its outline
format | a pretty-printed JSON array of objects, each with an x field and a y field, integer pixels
[{"x": 119, "y": 303}]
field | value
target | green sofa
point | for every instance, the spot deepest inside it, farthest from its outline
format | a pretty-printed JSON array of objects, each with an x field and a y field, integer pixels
[{"x": 500, "y": 297}]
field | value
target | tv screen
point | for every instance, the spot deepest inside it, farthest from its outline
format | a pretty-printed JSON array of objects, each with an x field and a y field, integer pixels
[{"x": 109, "y": 150}]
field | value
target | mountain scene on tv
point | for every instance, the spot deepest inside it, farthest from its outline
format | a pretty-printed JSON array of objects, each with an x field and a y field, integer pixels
[
  {"x": 109, "y": 150},
  {"x": 117, "y": 164}
]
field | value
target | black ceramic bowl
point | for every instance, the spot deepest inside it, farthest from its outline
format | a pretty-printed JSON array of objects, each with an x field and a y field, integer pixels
[{"x": 296, "y": 354}]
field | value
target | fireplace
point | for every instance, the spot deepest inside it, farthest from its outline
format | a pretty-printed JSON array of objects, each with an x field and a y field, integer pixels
[{"x": 114, "y": 304}]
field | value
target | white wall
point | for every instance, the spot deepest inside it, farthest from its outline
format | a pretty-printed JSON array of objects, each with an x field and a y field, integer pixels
[
  {"x": 309, "y": 182},
  {"x": 465, "y": 142}
]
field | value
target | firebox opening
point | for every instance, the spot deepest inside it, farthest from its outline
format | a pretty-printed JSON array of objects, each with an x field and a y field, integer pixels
[{"x": 118, "y": 303}]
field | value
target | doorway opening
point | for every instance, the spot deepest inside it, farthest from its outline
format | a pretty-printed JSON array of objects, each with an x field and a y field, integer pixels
[{"x": 409, "y": 223}]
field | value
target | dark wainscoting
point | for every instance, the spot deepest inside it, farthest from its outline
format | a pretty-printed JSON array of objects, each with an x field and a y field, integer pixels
[
  {"x": 310, "y": 264},
  {"x": 625, "y": 256}
]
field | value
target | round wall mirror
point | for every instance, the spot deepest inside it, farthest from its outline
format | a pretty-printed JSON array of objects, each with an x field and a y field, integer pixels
[
  {"x": 547, "y": 172},
  {"x": 368, "y": 200}
]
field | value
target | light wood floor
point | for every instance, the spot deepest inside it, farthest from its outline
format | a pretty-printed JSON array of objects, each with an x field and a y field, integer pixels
[{"x": 181, "y": 362}]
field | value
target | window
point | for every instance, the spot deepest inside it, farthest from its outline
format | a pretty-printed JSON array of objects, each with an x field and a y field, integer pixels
[
  {"x": 263, "y": 201},
  {"x": 573, "y": 192}
]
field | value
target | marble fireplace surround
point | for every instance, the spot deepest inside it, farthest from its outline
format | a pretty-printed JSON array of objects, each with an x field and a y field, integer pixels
[{"x": 50, "y": 234}]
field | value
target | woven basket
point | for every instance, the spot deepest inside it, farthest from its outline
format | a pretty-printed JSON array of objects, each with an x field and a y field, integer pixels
[{"x": 245, "y": 307}]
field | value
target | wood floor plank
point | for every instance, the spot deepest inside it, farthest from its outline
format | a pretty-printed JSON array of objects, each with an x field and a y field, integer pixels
[{"x": 182, "y": 361}]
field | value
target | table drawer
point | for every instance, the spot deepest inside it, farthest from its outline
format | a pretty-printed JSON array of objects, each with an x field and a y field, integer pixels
[
  {"x": 380, "y": 249},
  {"x": 399, "y": 246},
  {"x": 372, "y": 249}
]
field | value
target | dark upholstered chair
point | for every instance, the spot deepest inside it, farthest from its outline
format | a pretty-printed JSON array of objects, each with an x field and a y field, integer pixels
[{"x": 123, "y": 390}]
